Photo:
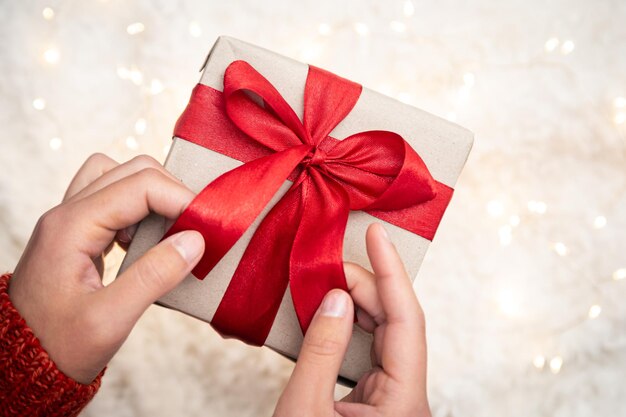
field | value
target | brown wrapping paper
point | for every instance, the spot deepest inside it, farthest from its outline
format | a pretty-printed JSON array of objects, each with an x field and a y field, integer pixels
[{"x": 443, "y": 146}]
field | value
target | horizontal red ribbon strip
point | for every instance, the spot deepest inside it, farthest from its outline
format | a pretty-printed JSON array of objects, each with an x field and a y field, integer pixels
[{"x": 299, "y": 242}]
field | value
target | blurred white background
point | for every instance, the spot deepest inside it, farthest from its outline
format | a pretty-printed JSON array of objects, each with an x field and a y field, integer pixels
[{"x": 524, "y": 285}]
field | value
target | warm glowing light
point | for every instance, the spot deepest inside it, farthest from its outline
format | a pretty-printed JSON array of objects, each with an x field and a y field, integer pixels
[
  {"x": 48, "y": 13},
  {"x": 136, "y": 76},
  {"x": 140, "y": 126},
  {"x": 156, "y": 86},
  {"x": 539, "y": 362},
  {"x": 409, "y": 8},
  {"x": 620, "y": 118},
  {"x": 123, "y": 72},
  {"x": 594, "y": 311},
  {"x": 538, "y": 207},
  {"x": 135, "y": 28},
  {"x": 397, "y": 26},
  {"x": 311, "y": 52},
  {"x": 495, "y": 208},
  {"x": 514, "y": 220},
  {"x": 567, "y": 47},
  {"x": 506, "y": 235},
  {"x": 131, "y": 143},
  {"x": 619, "y": 274},
  {"x": 555, "y": 364},
  {"x": 133, "y": 74},
  {"x": 551, "y": 44},
  {"x": 39, "y": 103},
  {"x": 599, "y": 222},
  {"x": 195, "y": 29},
  {"x": 385, "y": 88},
  {"x": 509, "y": 303},
  {"x": 51, "y": 55},
  {"x": 361, "y": 28},
  {"x": 324, "y": 29},
  {"x": 405, "y": 97},
  {"x": 469, "y": 79},
  {"x": 463, "y": 95},
  {"x": 560, "y": 248},
  {"x": 55, "y": 143},
  {"x": 619, "y": 102}
]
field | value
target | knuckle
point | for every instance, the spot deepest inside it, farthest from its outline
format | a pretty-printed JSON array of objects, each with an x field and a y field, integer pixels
[
  {"x": 150, "y": 174},
  {"x": 51, "y": 219},
  {"x": 96, "y": 158},
  {"x": 322, "y": 347},
  {"x": 149, "y": 273},
  {"x": 145, "y": 161}
]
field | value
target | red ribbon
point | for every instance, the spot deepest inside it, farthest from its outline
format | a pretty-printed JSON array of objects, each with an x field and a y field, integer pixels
[{"x": 299, "y": 242}]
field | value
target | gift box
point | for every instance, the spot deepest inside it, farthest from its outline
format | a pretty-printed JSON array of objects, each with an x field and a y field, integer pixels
[{"x": 291, "y": 164}]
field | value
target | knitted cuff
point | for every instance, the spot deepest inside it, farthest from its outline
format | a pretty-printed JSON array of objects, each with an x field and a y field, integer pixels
[{"x": 30, "y": 383}]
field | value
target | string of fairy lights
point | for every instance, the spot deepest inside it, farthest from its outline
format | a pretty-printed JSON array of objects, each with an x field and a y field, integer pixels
[{"x": 507, "y": 300}]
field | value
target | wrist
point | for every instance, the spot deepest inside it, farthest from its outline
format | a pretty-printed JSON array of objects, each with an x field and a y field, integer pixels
[{"x": 30, "y": 379}]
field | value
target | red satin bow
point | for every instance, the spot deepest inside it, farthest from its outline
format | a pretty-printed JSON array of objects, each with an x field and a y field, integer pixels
[{"x": 299, "y": 242}]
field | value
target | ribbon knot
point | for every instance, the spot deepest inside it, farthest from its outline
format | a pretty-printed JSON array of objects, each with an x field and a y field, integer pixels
[
  {"x": 315, "y": 157},
  {"x": 375, "y": 171}
]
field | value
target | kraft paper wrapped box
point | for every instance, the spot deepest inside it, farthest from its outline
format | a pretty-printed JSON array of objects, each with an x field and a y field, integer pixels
[{"x": 442, "y": 145}]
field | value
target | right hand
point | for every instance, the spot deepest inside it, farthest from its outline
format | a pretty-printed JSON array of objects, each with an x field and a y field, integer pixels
[{"x": 396, "y": 384}]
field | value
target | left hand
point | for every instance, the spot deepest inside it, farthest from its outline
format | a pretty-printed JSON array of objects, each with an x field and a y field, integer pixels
[{"x": 57, "y": 284}]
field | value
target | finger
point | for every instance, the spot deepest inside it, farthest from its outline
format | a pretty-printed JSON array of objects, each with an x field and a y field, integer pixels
[
  {"x": 362, "y": 287},
  {"x": 120, "y": 171},
  {"x": 150, "y": 277},
  {"x": 125, "y": 236},
  {"x": 364, "y": 320},
  {"x": 357, "y": 395},
  {"x": 99, "y": 263},
  {"x": 99, "y": 216},
  {"x": 122, "y": 238},
  {"x": 312, "y": 382},
  {"x": 403, "y": 353},
  {"x": 347, "y": 409},
  {"x": 99, "y": 171},
  {"x": 94, "y": 167}
]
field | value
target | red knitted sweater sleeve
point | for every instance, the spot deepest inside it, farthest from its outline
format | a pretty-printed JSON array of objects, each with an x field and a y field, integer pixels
[{"x": 30, "y": 383}]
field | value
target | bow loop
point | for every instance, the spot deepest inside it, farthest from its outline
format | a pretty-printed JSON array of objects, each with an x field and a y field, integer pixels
[
  {"x": 328, "y": 99},
  {"x": 367, "y": 164},
  {"x": 258, "y": 109}
]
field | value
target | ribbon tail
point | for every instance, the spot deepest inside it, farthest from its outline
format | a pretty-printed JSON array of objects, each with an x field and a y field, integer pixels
[
  {"x": 422, "y": 219},
  {"x": 252, "y": 299},
  {"x": 226, "y": 207},
  {"x": 316, "y": 261}
]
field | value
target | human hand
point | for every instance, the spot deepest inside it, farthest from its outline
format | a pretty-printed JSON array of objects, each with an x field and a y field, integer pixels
[
  {"x": 396, "y": 385},
  {"x": 57, "y": 284}
]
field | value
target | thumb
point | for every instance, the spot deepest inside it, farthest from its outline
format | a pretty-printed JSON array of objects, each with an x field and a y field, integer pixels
[
  {"x": 312, "y": 383},
  {"x": 153, "y": 275}
]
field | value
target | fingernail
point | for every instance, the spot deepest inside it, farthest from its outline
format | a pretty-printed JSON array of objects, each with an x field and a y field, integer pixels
[
  {"x": 335, "y": 304},
  {"x": 189, "y": 245}
]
